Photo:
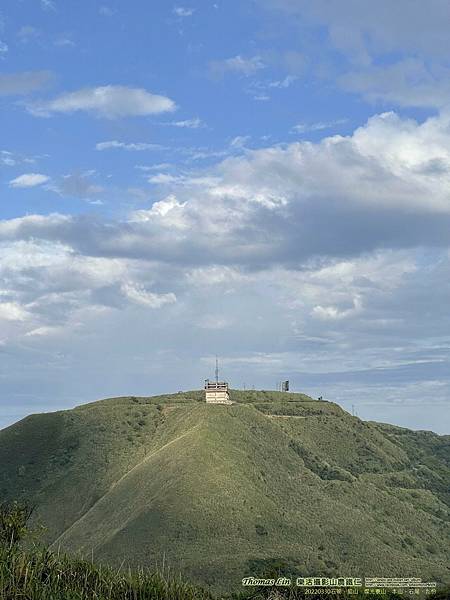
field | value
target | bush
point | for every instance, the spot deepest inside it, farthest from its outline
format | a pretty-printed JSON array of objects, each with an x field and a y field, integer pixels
[{"x": 14, "y": 519}]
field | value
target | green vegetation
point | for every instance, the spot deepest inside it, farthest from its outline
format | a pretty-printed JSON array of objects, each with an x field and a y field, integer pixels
[
  {"x": 36, "y": 573},
  {"x": 216, "y": 493}
]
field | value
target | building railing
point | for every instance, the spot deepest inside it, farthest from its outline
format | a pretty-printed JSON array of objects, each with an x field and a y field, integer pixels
[{"x": 213, "y": 385}]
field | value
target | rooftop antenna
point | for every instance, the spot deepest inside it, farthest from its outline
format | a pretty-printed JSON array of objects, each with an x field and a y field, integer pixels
[{"x": 217, "y": 370}]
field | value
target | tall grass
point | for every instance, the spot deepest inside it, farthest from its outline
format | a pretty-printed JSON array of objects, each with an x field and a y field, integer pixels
[{"x": 44, "y": 575}]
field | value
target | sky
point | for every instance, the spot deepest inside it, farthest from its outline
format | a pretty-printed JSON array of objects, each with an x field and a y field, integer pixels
[{"x": 265, "y": 180}]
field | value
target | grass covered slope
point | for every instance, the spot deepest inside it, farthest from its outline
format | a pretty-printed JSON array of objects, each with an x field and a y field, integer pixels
[{"x": 220, "y": 492}]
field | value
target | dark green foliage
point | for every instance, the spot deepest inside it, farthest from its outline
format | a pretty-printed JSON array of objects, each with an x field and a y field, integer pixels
[
  {"x": 319, "y": 466},
  {"x": 260, "y": 529},
  {"x": 14, "y": 519}
]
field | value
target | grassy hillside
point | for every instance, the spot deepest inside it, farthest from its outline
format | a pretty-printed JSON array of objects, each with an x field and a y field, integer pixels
[{"x": 221, "y": 492}]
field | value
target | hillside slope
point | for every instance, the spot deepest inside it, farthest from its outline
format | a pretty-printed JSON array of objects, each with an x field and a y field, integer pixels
[{"x": 221, "y": 492}]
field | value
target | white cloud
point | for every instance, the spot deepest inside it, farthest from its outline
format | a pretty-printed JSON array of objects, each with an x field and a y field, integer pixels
[
  {"x": 163, "y": 178},
  {"x": 159, "y": 209},
  {"x": 12, "y": 311},
  {"x": 44, "y": 331},
  {"x": 319, "y": 126},
  {"x": 48, "y": 5},
  {"x": 239, "y": 141},
  {"x": 3, "y": 49},
  {"x": 181, "y": 11},
  {"x": 237, "y": 64},
  {"x": 283, "y": 83},
  {"x": 195, "y": 123},
  {"x": 60, "y": 288},
  {"x": 7, "y": 158},
  {"x": 308, "y": 199},
  {"x": 145, "y": 298},
  {"x": 335, "y": 312},
  {"x": 110, "y": 101},
  {"x": 28, "y": 180},
  {"x": 132, "y": 146},
  {"x": 155, "y": 167}
]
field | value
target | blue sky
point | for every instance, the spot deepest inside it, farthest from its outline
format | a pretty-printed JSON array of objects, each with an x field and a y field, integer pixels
[{"x": 264, "y": 179}]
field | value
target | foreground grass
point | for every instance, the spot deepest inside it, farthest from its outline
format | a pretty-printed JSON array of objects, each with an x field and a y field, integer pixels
[
  {"x": 43, "y": 575},
  {"x": 40, "y": 574},
  {"x": 29, "y": 571}
]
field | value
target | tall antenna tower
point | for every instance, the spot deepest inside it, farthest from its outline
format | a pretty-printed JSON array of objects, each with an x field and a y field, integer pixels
[{"x": 217, "y": 370}]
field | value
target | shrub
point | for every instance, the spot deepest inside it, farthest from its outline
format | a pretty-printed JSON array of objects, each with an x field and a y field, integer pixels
[{"x": 14, "y": 519}]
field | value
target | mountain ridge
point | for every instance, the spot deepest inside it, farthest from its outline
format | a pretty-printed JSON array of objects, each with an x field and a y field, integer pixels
[{"x": 221, "y": 492}]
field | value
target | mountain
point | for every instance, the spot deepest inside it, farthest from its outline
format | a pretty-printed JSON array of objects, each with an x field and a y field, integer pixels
[{"x": 276, "y": 480}]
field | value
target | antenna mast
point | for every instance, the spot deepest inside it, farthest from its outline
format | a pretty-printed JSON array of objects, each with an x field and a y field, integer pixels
[{"x": 217, "y": 370}]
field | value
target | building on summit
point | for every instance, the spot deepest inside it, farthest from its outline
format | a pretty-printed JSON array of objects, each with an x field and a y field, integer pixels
[{"x": 216, "y": 392}]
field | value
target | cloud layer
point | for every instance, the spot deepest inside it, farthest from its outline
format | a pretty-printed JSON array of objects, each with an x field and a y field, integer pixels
[
  {"x": 387, "y": 58},
  {"x": 312, "y": 261},
  {"x": 383, "y": 187}
]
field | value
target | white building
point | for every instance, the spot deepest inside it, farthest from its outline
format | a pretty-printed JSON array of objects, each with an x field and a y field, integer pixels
[{"x": 216, "y": 392}]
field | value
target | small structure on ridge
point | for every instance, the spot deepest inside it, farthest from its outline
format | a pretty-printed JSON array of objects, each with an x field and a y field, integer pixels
[{"x": 216, "y": 392}]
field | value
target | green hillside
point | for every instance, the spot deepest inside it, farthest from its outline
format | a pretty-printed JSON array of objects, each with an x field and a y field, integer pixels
[{"x": 220, "y": 492}]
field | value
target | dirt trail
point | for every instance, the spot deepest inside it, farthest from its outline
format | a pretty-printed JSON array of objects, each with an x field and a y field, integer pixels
[
  {"x": 116, "y": 483},
  {"x": 285, "y": 417}
]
